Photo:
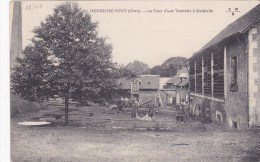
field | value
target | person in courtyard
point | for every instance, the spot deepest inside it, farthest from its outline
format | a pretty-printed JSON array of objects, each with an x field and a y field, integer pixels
[
  {"x": 126, "y": 102},
  {"x": 151, "y": 112},
  {"x": 136, "y": 102},
  {"x": 120, "y": 104},
  {"x": 134, "y": 108}
]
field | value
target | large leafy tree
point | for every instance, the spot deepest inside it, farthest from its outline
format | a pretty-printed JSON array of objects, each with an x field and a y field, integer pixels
[
  {"x": 157, "y": 70},
  {"x": 138, "y": 67},
  {"x": 122, "y": 72},
  {"x": 66, "y": 56},
  {"x": 170, "y": 67}
]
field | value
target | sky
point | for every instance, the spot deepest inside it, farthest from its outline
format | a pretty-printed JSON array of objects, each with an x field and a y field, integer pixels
[{"x": 150, "y": 37}]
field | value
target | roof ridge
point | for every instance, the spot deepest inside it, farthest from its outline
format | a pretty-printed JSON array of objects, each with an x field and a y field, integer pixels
[
  {"x": 246, "y": 29},
  {"x": 240, "y": 25}
]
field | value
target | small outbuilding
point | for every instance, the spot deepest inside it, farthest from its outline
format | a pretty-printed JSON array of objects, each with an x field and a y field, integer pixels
[
  {"x": 180, "y": 84},
  {"x": 144, "y": 88}
]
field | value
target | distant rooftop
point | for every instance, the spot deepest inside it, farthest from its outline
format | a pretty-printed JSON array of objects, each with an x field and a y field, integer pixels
[
  {"x": 147, "y": 82},
  {"x": 163, "y": 81},
  {"x": 182, "y": 73}
]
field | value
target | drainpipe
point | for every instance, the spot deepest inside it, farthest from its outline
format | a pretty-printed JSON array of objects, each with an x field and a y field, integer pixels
[{"x": 245, "y": 49}]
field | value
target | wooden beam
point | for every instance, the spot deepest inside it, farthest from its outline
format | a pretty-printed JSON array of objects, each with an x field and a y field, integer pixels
[
  {"x": 202, "y": 77},
  {"x": 212, "y": 79},
  {"x": 225, "y": 72}
]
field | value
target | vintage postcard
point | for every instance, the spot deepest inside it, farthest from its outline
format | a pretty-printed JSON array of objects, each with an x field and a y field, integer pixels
[{"x": 135, "y": 81}]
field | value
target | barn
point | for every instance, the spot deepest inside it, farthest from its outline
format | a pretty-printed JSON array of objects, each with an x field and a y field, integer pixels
[{"x": 225, "y": 75}]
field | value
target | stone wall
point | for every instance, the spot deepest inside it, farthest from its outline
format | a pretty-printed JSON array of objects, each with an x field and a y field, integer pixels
[
  {"x": 254, "y": 75},
  {"x": 207, "y": 109},
  {"x": 145, "y": 96},
  {"x": 166, "y": 95},
  {"x": 236, "y": 102},
  {"x": 233, "y": 109}
]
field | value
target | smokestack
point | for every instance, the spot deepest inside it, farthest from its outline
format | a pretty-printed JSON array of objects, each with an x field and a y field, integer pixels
[{"x": 16, "y": 33}]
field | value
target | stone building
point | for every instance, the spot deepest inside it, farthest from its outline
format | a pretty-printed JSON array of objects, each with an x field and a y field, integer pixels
[
  {"x": 180, "y": 85},
  {"x": 225, "y": 74},
  {"x": 144, "y": 88},
  {"x": 167, "y": 95}
]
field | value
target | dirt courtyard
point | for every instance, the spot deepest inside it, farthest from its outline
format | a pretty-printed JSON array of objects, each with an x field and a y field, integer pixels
[{"x": 101, "y": 138}]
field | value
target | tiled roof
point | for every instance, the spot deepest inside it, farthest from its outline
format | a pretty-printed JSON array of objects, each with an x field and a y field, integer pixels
[
  {"x": 184, "y": 82},
  {"x": 163, "y": 81},
  {"x": 241, "y": 25},
  {"x": 184, "y": 75},
  {"x": 147, "y": 82},
  {"x": 176, "y": 79}
]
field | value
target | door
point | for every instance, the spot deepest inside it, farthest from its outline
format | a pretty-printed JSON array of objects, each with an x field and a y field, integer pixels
[{"x": 136, "y": 97}]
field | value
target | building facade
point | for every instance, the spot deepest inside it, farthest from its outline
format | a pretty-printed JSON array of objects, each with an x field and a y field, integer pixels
[
  {"x": 167, "y": 94},
  {"x": 143, "y": 88},
  {"x": 225, "y": 75},
  {"x": 180, "y": 85}
]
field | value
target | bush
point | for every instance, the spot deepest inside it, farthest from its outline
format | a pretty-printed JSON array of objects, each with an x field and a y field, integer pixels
[{"x": 19, "y": 105}]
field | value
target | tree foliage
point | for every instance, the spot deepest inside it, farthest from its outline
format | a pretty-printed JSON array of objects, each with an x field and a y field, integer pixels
[
  {"x": 122, "y": 72},
  {"x": 66, "y": 56},
  {"x": 157, "y": 70},
  {"x": 138, "y": 68},
  {"x": 31, "y": 79},
  {"x": 170, "y": 67}
]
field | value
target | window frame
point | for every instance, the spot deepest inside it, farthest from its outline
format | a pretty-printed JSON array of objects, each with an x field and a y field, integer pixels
[
  {"x": 133, "y": 85},
  {"x": 233, "y": 86}
]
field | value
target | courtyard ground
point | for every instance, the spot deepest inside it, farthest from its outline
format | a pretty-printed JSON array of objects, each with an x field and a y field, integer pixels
[{"x": 98, "y": 134}]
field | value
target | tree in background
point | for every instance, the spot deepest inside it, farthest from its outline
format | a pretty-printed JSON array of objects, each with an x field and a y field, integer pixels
[
  {"x": 122, "y": 72},
  {"x": 170, "y": 67},
  {"x": 66, "y": 56},
  {"x": 157, "y": 70},
  {"x": 138, "y": 68}
]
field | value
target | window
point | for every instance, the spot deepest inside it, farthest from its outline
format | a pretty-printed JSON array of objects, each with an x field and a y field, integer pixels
[
  {"x": 234, "y": 125},
  {"x": 136, "y": 96},
  {"x": 134, "y": 87},
  {"x": 233, "y": 73}
]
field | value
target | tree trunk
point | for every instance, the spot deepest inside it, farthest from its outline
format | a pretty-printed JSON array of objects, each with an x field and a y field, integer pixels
[{"x": 66, "y": 109}]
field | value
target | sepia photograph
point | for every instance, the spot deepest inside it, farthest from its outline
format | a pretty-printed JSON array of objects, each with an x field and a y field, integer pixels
[{"x": 134, "y": 81}]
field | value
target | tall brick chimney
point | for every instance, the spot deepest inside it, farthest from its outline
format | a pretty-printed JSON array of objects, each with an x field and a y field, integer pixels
[{"x": 16, "y": 33}]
